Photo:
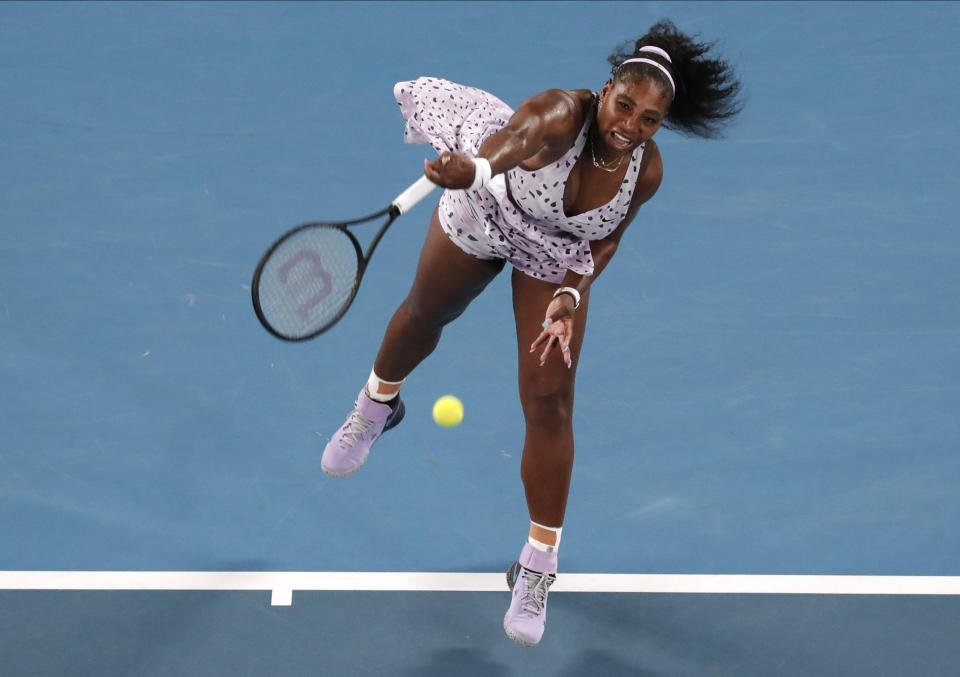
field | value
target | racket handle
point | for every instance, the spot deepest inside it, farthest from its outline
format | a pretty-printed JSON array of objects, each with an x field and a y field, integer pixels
[{"x": 405, "y": 201}]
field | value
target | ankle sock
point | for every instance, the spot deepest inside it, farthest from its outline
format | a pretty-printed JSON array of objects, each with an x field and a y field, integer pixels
[
  {"x": 545, "y": 547},
  {"x": 373, "y": 388}
]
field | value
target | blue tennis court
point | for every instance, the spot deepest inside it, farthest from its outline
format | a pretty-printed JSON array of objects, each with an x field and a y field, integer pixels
[{"x": 766, "y": 401}]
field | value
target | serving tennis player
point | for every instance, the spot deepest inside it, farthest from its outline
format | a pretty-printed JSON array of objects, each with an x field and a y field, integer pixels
[{"x": 550, "y": 189}]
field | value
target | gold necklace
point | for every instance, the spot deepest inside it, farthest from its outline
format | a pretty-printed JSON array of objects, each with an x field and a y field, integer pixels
[{"x": 598, "y": 165}]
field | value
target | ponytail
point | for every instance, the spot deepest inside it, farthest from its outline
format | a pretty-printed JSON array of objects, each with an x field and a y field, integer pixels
[{"x": 704, "y": 90}]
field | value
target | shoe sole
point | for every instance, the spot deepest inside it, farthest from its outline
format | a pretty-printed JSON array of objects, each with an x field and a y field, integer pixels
[
  {"x": 344, "y": 474},
  {"x": 513, "y": 635},
  {"x": 392, "y": 422}
]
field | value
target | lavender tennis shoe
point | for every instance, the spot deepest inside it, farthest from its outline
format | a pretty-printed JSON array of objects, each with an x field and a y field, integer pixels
[
  {"x": 349, "y": 447},
  {"x": 530, "y": 579}
]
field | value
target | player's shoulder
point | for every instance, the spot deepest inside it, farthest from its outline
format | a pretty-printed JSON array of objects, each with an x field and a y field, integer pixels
[
  {"x": 651, "y": 173},
  {"x": 578, "y": 102},
  {"x": 564, "y": 110},
  {"x": 561, "y": 101},
  {"x": 652, "y": 160}
]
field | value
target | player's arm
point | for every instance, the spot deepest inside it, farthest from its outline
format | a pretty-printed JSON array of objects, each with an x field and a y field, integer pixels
[
  {"x": 550, "y": 119},
  {"x": 604, "y": 249},
  {"x": 559, "y": 316}
]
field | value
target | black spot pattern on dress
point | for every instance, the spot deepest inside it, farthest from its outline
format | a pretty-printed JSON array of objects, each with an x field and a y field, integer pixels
[{"x": 518, "y": 217}]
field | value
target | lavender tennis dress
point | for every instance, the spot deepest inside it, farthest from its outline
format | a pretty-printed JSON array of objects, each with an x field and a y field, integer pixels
[{"x": 518, "y": 216}]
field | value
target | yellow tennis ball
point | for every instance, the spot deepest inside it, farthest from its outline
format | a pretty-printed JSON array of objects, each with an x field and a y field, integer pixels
[{"x": 448, "y": 411}]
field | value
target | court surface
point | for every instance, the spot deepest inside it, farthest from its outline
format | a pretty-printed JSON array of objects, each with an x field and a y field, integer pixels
[{"x": 767, "y": 479}]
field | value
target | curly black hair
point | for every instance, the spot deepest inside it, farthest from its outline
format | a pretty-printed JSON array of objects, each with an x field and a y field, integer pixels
[{"x": 707, "y": 90}]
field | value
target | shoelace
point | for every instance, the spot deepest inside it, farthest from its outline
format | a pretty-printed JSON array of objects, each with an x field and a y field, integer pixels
[
  {"x": 355, "y": 427},
  {"x": 535, "y": 590}
]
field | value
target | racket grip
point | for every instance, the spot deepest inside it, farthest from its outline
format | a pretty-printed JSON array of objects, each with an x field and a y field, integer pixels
[{"x": 405, "y": 201}]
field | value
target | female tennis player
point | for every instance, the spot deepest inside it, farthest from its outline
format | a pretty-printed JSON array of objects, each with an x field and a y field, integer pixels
[{"x": 549, "y": 188}]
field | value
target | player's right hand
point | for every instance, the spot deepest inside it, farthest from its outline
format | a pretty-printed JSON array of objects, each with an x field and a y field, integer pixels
[{"x": 450, "y": 170}]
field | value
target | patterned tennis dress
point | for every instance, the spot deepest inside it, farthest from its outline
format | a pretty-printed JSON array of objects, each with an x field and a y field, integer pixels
[{"x": 518, "y": 216}]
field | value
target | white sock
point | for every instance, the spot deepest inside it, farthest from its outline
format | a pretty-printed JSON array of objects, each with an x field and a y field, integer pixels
[
  {"x": 546, "y": 547},
  {"x": 373, "y": 388}
]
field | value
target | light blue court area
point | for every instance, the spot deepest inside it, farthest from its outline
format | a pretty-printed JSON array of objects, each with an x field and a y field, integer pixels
[{"x": 769, "y": 383}]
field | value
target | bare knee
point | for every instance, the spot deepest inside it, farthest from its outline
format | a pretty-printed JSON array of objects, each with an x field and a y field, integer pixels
[
  {"x": 426, "y": 315},
  {"x": 547, "y": 404},
  {"x": 419, "y": 317}
]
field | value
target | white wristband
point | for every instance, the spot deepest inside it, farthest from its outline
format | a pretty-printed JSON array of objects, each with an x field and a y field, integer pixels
[
  {"x": 483, "y": 173},
  {"x": 573, "y": 292}
]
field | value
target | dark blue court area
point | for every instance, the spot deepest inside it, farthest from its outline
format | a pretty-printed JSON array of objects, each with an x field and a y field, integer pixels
[{"x": 768, "y": 385}]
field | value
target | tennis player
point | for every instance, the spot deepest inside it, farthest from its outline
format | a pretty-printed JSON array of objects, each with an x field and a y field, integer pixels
[{"x": 549, "y": 188}]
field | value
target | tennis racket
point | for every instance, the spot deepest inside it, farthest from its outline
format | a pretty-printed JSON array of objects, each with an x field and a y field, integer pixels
[{"x": 307, "y": 279}]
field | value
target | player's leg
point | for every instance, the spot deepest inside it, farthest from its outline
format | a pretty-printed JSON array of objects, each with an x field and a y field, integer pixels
[
  {"x": 446, "y": 281},
  {"x": 546, "y": 395}
]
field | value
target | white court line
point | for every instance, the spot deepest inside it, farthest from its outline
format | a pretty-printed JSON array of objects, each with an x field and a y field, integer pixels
[{"x": 282, "y": 584}]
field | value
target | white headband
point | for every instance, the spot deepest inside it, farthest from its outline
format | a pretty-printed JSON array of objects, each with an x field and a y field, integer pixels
[{"x": 655, "y": 50}]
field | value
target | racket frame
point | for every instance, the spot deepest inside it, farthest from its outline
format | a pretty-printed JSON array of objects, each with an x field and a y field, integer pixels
[
  {"x": 401, "y": 204},
  {"x": 363, "y": 259}
]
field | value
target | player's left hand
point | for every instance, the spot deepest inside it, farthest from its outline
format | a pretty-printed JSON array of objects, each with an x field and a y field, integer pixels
[
  {"x": 557, "y": 330},
  {"x": 450, "y": 170}
]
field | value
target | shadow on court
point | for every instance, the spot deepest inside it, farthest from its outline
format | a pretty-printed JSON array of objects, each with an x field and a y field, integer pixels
[{"x": 465, "y": 662}]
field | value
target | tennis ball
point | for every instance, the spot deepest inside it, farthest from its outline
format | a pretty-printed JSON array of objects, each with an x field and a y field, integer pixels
[{"x": 448, "y": 411}]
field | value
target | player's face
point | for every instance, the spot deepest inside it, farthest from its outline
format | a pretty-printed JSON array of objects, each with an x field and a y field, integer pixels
[{"x": 630, "y": 113}]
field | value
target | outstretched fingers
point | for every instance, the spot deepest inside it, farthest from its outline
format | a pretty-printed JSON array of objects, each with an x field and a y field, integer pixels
[
  {"x": 547, "y": 340},
  {"x": 547, "y": 327},
  {"x": 555, "y": 334}
]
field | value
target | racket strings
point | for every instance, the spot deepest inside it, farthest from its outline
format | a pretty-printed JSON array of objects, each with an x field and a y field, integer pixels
[{"x": 308, "y": 281}]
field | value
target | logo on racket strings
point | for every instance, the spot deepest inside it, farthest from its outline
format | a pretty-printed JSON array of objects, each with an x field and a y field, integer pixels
[{"x": 306, "y": 280}]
